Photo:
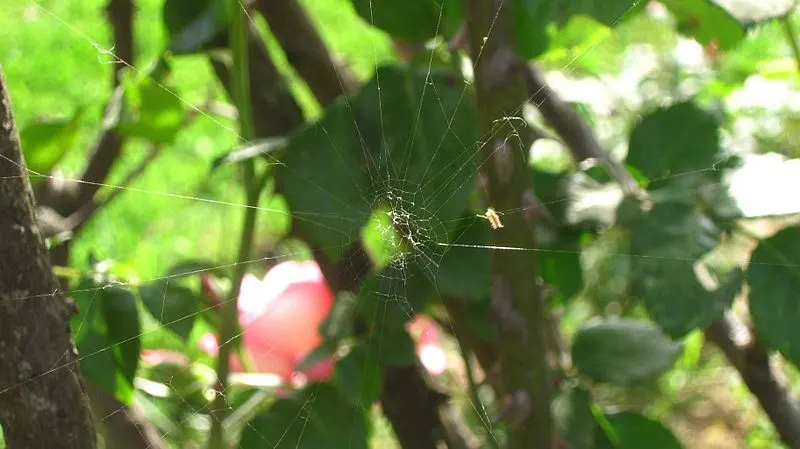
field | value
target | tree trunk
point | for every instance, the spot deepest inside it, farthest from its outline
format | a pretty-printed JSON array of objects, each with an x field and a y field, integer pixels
[
  {"x": 43, "y": 403},
  {"x": 517, "y": 303}
]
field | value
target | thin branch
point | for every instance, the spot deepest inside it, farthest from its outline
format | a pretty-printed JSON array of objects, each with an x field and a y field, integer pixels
[
  {"x": 306, "y": 51},
  {"x": 751, "y": 359},
  {"x": 109, "y": 146},
  {"x": 577, "y": 135},
  {"x": 78, "y": 219}
]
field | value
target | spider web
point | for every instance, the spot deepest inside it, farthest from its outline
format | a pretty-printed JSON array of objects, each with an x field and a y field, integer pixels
[{"x": 403, "y": 212}]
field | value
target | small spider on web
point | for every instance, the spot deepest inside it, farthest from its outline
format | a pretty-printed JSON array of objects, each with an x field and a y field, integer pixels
[{"x": 493, "y": 217}]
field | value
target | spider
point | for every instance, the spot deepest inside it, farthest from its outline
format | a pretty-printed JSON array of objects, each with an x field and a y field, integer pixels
[{"x": 493, "y": 217}]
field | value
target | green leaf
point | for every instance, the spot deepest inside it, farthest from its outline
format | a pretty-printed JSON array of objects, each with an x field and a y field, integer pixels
[
  {"x": 152, "y": 110},
  {"x": 313, "y": 418},
  {"x": 669, "y": 239},
  {"x": 98, "y": 365},
  {"x": 530, "y": 19},
  {"x": 398, "y": 292},
  {"x": 706, "y": 21},
  {"x": 173, "y": 305},
  {"x": 358, "y": 375},
  {"x": 607, "y": 12},
  {"x": 774, "y": 285},
  {"x": 413, "y": 161},
  {"x": 45, "y": 143},
  {"x": 194, "y": 25},
  {"x": 123, "y": 328},
  {"x": 561, "y": 268},
  {"x": 629, "y": 430},
  {"x": 464, "y": 272},
  {"x": 104, "y": 361},
  {"x": 623, "y": 351},
  {"x": 412, "y": 20},
  {"x": 676, "y": 140},
  {"x": 573, "y": 413},
  {"x": 677, "y": 301},
  {"x": 251, "y": 150},
  {"x": 674, "y": 231}
]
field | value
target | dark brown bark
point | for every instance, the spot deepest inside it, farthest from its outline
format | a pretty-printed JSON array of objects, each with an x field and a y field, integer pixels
[
  {"x": 412, "y": 407},
  {"x": 517, "y": 302},
  {"x": 42, "y": 398},
  {"x": 751, "y": 359},
  {"x": 306, "y": 51}
]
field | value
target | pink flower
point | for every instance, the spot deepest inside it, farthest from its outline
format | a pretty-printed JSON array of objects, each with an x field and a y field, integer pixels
[
  {"x": 429, "y": 345},
  {"x": 280, "y": 316}
]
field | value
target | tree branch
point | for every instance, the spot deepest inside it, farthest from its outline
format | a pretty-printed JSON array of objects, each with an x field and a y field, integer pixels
[
  {"x": 516, "y": 285},
  {"x": 306, "y": 51},
  {"x": 751, "y": 359},
  {"x": 42, "y": 397},
  {"x": 577, "y": 135},
  {"x": 109, "y": 146}
]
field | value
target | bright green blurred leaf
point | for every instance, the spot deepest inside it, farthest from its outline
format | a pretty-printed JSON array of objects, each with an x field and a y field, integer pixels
[
  {"x": 623, "y": 351},
  {"x": 629, "y": 430},
  {"x": 45, "y": 143},
  {"x": 707, "y": 22},
  {"x": 152, "y": 111},
  {"x": 607, "y": 12},
  {"x": 173, "y": 305},
  {"x": 774, "y": 282},
  {"x": 316, "y": 417}
]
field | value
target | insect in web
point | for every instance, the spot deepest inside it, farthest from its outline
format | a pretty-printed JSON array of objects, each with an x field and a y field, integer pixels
[{"x": 493, "y": 217}]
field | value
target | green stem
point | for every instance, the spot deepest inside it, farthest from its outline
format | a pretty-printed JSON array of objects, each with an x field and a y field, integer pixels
[
  {"x": 229, "y": 331},
  {"x": 792, "y": 38}
]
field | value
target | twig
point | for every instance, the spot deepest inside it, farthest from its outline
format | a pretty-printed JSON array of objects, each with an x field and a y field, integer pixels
[
  {"x": 751, "y": 359},
  {"x": 306, "y": 51},
  {"x": 573, "y": 129},
  {"x": 79, "y": 218}
]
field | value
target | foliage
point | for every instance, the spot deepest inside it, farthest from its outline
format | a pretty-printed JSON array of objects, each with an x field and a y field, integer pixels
[{"x": 395, "y": 167}]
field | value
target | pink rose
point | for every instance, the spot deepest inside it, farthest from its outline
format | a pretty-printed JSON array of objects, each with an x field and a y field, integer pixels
[{"x": 280, "y": 316}]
